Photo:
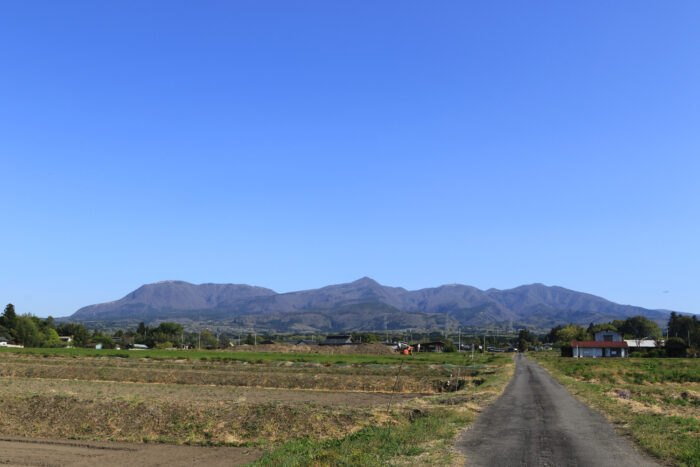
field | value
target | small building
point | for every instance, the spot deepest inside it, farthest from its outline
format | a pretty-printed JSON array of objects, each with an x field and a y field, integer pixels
[
  {"x": 97, "y": 346},
  {"x": 139, "y": 347},
  {"x": 66, "y": 339},
  {"x": 642, "y": 344},
  {"x": 307, "y": 342},
  {"x": 338, "y": 340},
  {"x": 436, "y": 346},
  {"x": 599, "y": 349},
  {"x": 268, "y": 342}
]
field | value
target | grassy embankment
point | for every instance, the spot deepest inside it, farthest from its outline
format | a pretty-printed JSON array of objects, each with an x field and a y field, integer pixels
[
  {"x": 654, "y": 401},
  {"x": 217, "y": 398}
]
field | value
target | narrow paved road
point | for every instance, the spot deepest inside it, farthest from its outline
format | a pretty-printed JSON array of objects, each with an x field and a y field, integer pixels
[{"x": 537, "y": 422}]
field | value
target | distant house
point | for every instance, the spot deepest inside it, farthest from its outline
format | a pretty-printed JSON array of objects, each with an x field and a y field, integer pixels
[
  {"x": 606, "y": 344},
  {"x": 268, "y": 342},
  {"x": 643, "y": 344},
  {"x": 398, "y": 345},
  {"x": 139, "y": 347},
  {"x": 338, "y": 340},
  {"x": 436, "y": 346},
  {"x": 66, "y": 339},
  {"x": 306, "y": 342},
  {"x": 97, "y": 346}
]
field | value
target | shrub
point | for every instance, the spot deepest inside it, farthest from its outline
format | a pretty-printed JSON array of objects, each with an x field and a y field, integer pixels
[{"x": 675, "y": 347}]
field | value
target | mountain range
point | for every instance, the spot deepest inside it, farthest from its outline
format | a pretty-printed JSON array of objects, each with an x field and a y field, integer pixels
[{"x": 363, "y": 305}]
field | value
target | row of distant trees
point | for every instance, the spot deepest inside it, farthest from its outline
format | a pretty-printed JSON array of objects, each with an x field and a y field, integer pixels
[{"x": 32, "y": 331}]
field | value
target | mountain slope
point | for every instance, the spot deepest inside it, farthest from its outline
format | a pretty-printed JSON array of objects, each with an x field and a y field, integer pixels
[{"x": 362, "y": 304}]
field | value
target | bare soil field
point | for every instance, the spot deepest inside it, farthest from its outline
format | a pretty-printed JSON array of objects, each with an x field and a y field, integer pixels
[{"x": 33, "y": 452}]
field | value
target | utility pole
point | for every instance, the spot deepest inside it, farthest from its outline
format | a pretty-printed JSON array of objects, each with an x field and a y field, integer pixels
[
  {"x": 459, "y": 339},
  {"x": 386, "y": 330}
]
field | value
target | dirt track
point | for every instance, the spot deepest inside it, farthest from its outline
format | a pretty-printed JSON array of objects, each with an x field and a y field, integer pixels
[
  {"x": 36, "y": 452},
  {"x": 537, "y": 422}
]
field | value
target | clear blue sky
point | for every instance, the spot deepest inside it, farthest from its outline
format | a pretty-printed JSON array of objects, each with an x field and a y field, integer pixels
[{"x": 298, "y": 144}]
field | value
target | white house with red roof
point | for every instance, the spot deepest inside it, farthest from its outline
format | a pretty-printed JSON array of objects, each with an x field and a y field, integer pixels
[{"x": 607, "y": 343}]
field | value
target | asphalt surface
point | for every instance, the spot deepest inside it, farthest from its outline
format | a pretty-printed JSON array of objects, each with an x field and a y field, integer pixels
[{"x": 537, "y": 422}]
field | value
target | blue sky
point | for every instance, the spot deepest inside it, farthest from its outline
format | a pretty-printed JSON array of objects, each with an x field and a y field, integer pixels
[{"x": 298, "y": 144}]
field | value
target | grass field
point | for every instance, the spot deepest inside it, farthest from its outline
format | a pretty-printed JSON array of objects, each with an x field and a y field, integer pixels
[
  {"x": 300, "y": 409},
  {"x": 656, "y": 402}
]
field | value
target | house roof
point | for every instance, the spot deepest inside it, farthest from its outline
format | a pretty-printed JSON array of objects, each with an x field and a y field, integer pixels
[
  {"x": 599, "y": 344},
  {"x": 335, "y": 340},
  {"x": 641, "y": 343}
]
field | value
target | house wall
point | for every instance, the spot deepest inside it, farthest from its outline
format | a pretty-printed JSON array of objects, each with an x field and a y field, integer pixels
[
  {"x": 587, "y": 352},
  {"x": 599, "y": 352},
  {"x": 612, "y": 336},
  {"x": 615, "y": 352}
]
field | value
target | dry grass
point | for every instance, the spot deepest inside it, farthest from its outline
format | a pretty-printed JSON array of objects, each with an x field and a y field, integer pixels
[
  {"x": 274, "y": 374},
  {"x": 364, "y": 349},
  {"x": 208, "y": 401}
]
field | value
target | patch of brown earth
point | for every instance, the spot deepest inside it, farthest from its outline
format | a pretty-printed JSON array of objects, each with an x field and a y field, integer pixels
[{"x": 46, "y": 452}]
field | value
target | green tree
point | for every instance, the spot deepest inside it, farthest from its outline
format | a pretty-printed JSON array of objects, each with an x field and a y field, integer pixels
[
  {"x": 28, "y": 333},
  {"x": 572, "y": 332},
  {"x": 614, "y": 326},
  {"x": 450, "y": 347},
  {"x": 523, "y": 345},
  {"x": 50, "y": 322},
  {"x": 81, "y": 334},
  {"x": 224, "y": 341},
  {"x": 639, "y": 327},
  {"x": 552, "y": 336},
  {"x": 106, "y": 341},
  {"x": 51, "y": 338},
  {"x": 208, "y": 340},
  {"x": 9, "y": 317},
  {"x": 675, "y": 347}
]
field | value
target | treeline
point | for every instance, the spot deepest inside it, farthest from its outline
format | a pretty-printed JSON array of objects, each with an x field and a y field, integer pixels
[{"x": 31, "y": 331}]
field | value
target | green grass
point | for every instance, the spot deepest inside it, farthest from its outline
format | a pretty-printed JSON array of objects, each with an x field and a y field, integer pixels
[
  {"x": 633, "y": 370},
  {"x": 371, "y": 446},
  {"x": 660, "y": 416},
  {"x": 265, "y": 357}
]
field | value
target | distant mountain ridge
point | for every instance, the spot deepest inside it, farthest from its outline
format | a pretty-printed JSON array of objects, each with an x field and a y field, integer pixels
[{"x": 360, "y": 305}]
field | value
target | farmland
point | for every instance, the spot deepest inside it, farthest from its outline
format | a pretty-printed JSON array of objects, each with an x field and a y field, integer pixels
[
  {"x": 297, "y": 407},
  {"x": 655, "y": 402}
]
